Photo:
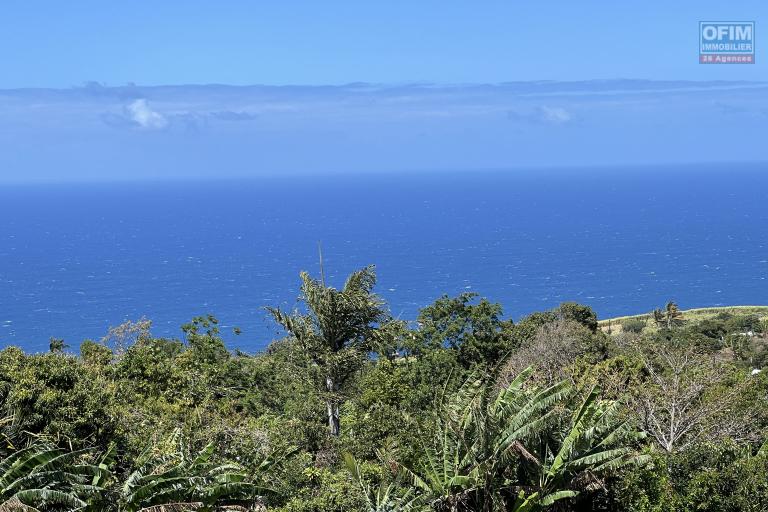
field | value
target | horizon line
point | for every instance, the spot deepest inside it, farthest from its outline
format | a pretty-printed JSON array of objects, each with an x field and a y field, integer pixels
[
  {"x": 678, "y": 167},
  {"x": 94, "y": 84}
]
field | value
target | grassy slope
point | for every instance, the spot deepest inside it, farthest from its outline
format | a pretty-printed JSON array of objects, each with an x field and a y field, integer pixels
[{"x": 696, "y": 315}]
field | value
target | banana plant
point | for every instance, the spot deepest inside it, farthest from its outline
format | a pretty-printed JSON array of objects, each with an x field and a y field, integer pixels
[
  {"x": 387, "y": 496},
  {"x": 42, "y": 477},
  {"x": 517, "y": 449},
  {"x": 596, "y": 443},
  {"x": 179, "y": 480}
]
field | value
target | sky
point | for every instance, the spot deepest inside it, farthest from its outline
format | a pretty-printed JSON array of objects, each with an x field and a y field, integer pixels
[
  {"x": 64, "y": 44},
  {"x": 375, "y": 86}
]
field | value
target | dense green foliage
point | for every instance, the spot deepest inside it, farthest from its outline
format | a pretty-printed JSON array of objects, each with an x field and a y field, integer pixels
[{"x": 353, "y": 410}]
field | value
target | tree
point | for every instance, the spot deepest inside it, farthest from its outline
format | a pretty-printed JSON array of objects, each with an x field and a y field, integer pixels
[
  {"x": 554, "y": 349},
  {"x": 95, "y": 353},
  {"x": 334, "y": 332},
  {"x": 669, "y": 317},
  {"x": 126, "y": 334},
  {"x": 57, "y": 345},
  {"x": 579, "y": 313},
  {"x": 475, "y": 331},
  {"x": 743, "y": 324},
  {"x": 687, "y": 397},
  {"x": 58, "y": 397},
  {"x": 204, "y": 341}
]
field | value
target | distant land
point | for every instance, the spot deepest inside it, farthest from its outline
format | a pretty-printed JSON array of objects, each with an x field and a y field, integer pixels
[{"x": 693, "y": 315}]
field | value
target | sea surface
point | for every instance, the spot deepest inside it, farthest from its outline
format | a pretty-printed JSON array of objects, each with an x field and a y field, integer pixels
[{"x": 76, "y": 259}]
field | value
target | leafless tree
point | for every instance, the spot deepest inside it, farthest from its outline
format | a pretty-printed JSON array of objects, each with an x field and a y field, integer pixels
[
  {"x": 551, "y": 351},
  {"x": 119, "y": 338},
  {"x": 688, "y": 397}
]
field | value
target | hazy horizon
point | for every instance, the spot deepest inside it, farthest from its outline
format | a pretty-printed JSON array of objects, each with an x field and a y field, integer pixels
[
  {"x": 102, "y": 133},
  {"x": 709, "y": 166},
  {"x": 355, "y": 88}
]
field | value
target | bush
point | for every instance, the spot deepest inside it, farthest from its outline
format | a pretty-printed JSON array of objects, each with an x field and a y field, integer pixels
[
  {"x": 635, "y": 325},
  {"x": 579, "y": 313},
  {"x": 644, "y": 489},
  {"x": 325, "y": 491},
  {"x": 743, "y": 323}
]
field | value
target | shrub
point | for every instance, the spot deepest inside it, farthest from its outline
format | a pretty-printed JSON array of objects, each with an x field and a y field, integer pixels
[
  {"x": 633, "y": 325},
  {"x": 743, "y": 323}
]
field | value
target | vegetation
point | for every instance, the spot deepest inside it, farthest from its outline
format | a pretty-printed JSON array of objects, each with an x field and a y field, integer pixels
[
  {"x": 461, "y": 410},
  {"x": 668, "y": 317},
  {"x": 691, "y": 316},
  {"x": 44, "y": 477}
]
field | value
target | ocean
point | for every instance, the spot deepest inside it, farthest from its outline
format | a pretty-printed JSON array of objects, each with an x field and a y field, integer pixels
[{"x": 76, "y": 259}]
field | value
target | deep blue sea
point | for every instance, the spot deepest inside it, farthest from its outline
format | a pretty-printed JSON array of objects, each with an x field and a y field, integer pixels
[{"x": 75, "y": 259}]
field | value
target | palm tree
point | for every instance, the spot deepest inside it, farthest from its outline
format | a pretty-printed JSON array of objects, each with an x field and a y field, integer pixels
[
  {"x": 517, "y": 449},
  {"x": 334, "y": 332},
  {"x": 57, "y": 345},
  {"x": 41, "y": 477},
  {"x": 179, "y": 480},
  {"x": 668, "y": 317}
]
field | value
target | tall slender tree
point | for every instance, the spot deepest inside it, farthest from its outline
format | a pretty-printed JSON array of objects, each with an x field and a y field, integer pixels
[{"x": 334, "y": 331}]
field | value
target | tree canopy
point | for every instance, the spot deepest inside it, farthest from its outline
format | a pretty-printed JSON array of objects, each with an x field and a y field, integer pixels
[{"x": 459, "y": 409}]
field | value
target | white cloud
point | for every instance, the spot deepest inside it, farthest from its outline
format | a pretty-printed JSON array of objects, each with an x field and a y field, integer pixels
[
  {"x": 145, "y": 117},
  {"x": 555, "y": 115},
  {"x": 540, "y": 114}
]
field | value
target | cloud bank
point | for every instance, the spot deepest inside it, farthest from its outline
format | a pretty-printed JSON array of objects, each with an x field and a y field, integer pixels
[{"x": 100, "y": 132}]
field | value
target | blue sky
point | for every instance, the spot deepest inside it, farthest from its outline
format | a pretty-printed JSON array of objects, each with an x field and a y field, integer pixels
[
  {"x": 63, "y": 44},
  {"x": 102, "y": 91}
]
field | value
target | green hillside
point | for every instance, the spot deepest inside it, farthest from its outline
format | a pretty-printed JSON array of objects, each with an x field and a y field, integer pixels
[{"x": 691, "y": 316}]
